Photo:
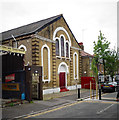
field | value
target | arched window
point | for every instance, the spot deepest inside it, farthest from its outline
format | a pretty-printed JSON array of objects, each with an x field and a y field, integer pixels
[
  {"x": 64, "y": 49},
  {"x": 75, "y": 64},
  {"x": 62, "y": 46},
  {"x": 67, "y": 49},
  {"x": 22, "y": 47},
  {"x": 57, "y": 47},
  {"x": 45, "y": 61}
]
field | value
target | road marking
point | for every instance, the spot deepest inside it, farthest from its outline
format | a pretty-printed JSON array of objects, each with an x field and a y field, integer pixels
[
  {"x": 52, "y": 110},
  {"x": 105, "y": 109}
]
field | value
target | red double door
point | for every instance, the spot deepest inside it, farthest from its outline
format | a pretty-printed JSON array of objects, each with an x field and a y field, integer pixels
[{"x": 62, "y": 80}]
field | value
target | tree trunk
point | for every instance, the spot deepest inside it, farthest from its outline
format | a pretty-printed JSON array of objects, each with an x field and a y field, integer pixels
[{"x": 104, "y": 70}]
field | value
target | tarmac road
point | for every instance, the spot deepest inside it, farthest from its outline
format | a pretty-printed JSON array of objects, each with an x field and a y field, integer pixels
[{"x": 107, "y": 108}]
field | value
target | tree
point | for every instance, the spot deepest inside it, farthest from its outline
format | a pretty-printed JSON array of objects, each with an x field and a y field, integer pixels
[
  {"x": 95, "y": 74},
  {"x": 94, "y": 68},
  {"x": 112, "y": 63},
  {"x": 101, "y": 49}
]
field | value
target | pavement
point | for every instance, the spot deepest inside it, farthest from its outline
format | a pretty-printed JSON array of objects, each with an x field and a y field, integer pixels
[{"x": 49, "y": 101}]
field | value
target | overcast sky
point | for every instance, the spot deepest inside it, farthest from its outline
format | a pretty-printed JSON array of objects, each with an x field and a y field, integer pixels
[{"x": 84, "y": 17}]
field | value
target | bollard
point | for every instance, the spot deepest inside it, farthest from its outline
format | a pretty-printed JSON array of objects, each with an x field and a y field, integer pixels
[
  {"x": 90, "y": 90},
  {"x": 78, "y": 92},
  {"x": 99, "y": 94},
  {"x": 99, "y": 91}
]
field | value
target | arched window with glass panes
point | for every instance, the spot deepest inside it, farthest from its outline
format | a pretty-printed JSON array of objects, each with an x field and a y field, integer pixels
[
  {"x": 62, "y": 46},
  {"x": 67, "y": 49},
  {"x": 57, "y": 47}
]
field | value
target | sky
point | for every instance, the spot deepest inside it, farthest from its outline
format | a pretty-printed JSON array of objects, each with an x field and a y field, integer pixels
[{"x": 84, "y": 17}]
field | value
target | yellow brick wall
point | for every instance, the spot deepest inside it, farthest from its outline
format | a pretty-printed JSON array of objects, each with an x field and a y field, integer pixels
[
  {"x": 48, "y": 33},
  {"x": 86, "y": 67},
  {"x": 28, "y": 54},
  {"x": 27, "y": 43}
]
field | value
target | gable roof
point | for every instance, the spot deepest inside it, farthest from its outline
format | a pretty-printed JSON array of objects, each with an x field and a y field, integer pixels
[
  {"x": 30, "y": 28},
  {"x": 85, "y": 54}
]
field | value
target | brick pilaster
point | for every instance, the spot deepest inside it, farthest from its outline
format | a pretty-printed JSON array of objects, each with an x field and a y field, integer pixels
[
  {"x": 54, "y": 64},
  {"x": 35, "y": 52},
  {"x": 80, "y": 67},
  {"x": 71, "y": 66}
]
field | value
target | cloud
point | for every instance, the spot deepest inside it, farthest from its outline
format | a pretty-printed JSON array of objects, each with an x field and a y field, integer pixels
[{"x": 91, "y": 15}]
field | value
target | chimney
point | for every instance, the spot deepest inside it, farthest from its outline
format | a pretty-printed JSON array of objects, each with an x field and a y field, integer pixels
[{"x": 81, "y": 45}]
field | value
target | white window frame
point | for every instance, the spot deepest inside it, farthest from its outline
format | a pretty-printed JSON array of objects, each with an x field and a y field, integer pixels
[
  {"x": 74, "y": 64},
  {"x": 45, "y": 46},
  {"x": 68, "y": 48},
  {"x": 59, "y": 45},
  {"x": 64, "y": 45},
  {"x": 69, "y": 40},
  {"x": 22, "y": 46}
]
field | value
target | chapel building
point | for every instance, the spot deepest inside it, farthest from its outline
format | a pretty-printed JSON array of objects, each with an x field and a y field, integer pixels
[{"x": 51, "y": 44}]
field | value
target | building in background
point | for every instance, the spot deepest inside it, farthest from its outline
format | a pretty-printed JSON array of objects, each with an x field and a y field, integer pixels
[{"x": 86, "y": 60}]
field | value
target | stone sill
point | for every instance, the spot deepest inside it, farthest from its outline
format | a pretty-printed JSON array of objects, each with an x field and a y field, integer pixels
[{"x": 63, "y": 58}]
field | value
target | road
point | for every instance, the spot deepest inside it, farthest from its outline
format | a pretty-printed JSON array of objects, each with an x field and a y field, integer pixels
[{"x": 107, "y": 108}]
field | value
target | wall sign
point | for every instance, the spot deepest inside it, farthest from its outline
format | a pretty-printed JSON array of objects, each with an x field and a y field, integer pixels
[
  {"x": 9, "y": 78},
  {"x": 10, "y": 86}
]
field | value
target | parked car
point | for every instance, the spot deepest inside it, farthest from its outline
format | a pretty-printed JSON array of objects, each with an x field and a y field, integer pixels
[
  {"x": 113, "y": 83},
  {"x": 108, "y": 87}
]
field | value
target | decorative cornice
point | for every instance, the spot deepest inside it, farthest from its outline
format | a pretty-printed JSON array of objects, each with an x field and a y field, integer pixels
[
  {"x": 43, "y": 38},
  {"x": 75, "y": 48}
]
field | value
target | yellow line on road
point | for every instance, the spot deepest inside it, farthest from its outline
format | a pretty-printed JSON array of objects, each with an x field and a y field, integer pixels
[
  {"x": 91, "y": 101},
  {"x": 108, "y": 98},
  {"x": 52, "y": 110}
]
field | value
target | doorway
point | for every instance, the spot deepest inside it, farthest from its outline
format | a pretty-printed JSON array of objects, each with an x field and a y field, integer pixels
[
  {"x": 63, "y": 72},
  {"x": 62, "y": 80}
]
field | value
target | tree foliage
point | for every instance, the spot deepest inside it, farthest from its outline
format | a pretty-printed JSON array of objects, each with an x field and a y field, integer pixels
[
  {"x": 112, "y": 63},
  {"x": 109, "y": 58},
  {"x": 94, "y": 68},
  {"x": 101, "y": 49}
]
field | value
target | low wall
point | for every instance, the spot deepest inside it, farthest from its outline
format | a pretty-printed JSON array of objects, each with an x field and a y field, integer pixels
[{"x": 57, "y": 90}]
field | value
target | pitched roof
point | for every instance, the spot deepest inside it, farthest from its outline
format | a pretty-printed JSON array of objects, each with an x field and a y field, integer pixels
[
  {"x": 30, "y": 28},
  {"x": 85, "y": 54}
]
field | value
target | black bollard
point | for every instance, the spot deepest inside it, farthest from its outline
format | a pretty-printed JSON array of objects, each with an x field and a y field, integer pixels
[
  {"x": 78, "y": 92},
  {"x": 99, "y": 94}
]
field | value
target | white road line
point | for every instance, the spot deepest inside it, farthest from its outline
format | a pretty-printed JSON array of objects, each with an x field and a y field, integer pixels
[{"x": 105, "y": 109}]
